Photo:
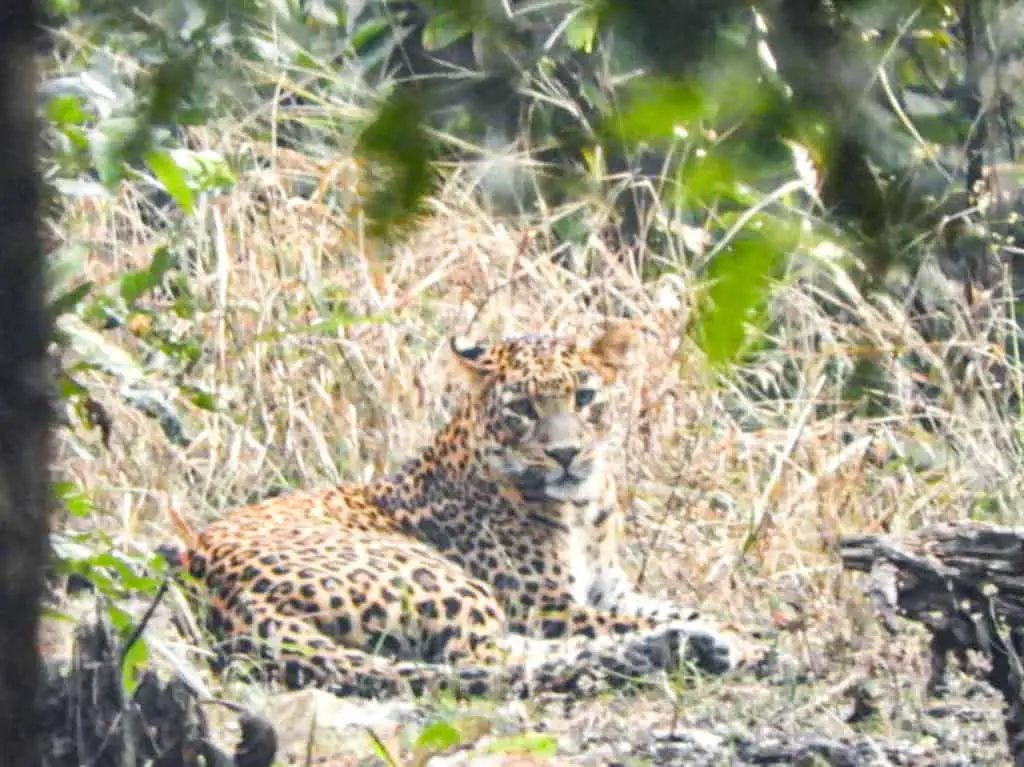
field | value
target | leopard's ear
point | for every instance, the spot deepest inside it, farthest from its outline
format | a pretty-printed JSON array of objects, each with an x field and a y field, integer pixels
[
  {"x": 611, "y": 350},
  {"x": 468, "y": 356}
]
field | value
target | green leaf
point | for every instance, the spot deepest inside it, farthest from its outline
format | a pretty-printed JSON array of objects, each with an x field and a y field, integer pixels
[
  {"x": 120, "y": 618},
  {"x": 207, "y": 171},
  {"x": 71, "y": 299},
  {"x": 172, "y": 178},
  {"x": 97, "y": 351},
  {"x": 444, "y": 29},
  {"x": 437, "y": 738},
  {"x": 78, "y": 139},
  {"x": 50, "y": 613},
  {"x": 134, "y": 659},
  {"x": 134, "y": 284},
  {"x": 740, "y": 279},
  {"x": 170, "y": 86},
  {"x": 68, "y": 387},
  {"x": 707, "y": 180},
  {"x": 655, "y": 107},
  {"x": 76, "y": 502},
  {"x": 128, "y": 578},
  {"x": 184, "y": 299},
  {"x": 581, "y": 32},
  {"x": 201, "y": 399},
  {"x": 396, "y": 143},
  {"x": 537, "y": 743},
  {"x": 66, "y": 110},
  {"x": 113, "y": 144},
  {"x": 64, "y": 7},
  {"x": 368, "y": 34},
  {"x": 65, "y": 266}
]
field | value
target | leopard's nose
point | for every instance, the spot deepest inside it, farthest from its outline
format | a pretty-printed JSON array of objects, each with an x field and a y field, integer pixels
[{"x": 564, "y": 455}]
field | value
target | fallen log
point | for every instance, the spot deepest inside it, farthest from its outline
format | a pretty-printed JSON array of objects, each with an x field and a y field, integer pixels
[{"x": 965, "y": 583}]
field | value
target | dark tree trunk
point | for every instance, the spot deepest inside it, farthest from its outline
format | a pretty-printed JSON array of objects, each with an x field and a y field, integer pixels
[{"x": 24, "y": 401}]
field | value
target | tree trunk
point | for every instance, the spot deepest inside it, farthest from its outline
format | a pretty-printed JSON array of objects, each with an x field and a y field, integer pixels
[{"x": 24, "y": 401}]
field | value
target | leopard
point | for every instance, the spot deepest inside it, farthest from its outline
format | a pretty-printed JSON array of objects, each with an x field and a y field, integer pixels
[{"x": 487, "y": 564}]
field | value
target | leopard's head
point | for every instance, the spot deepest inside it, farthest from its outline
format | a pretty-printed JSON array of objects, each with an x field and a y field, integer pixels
[{"x": 540, "y": 408}]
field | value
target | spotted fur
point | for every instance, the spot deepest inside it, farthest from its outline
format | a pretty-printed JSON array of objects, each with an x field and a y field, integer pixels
[{"x": 488, "y": 562}]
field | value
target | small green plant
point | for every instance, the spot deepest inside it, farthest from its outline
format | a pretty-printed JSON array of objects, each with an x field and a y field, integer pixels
[{"x": 536, "y": 743}]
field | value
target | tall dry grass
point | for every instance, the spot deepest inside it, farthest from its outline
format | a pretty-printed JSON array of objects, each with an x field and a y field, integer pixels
[{"x": 737, "y": 494}]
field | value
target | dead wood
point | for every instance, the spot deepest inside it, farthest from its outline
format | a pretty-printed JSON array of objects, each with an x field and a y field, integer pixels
[{"x": 965, "y": 583}]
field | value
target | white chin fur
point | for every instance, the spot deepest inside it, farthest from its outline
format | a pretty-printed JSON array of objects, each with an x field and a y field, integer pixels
[{"x": 587, "y": 490}]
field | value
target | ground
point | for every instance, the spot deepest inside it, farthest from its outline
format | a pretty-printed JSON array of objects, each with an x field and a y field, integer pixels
[{"x": 325, "y": 357}]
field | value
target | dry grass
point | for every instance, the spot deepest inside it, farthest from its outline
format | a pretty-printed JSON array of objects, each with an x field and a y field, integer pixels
[{"x": 734, "y": 501}]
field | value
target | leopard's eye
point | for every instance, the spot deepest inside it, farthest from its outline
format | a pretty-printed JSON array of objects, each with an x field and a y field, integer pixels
[
  {"x": 584, "y": 397},
  {"x": 523, "y": 407}
]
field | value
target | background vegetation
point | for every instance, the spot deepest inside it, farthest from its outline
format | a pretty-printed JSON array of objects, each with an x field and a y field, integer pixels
[{"x": 264, "y": 217}]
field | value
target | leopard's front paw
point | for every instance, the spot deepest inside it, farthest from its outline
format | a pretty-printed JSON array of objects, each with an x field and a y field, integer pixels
[
  {"x": 722, "y": 649},
  {"x": 709, "y": 648}
]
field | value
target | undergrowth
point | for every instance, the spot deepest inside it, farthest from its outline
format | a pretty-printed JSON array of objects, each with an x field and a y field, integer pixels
[{"x": 265, "y": 342}]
